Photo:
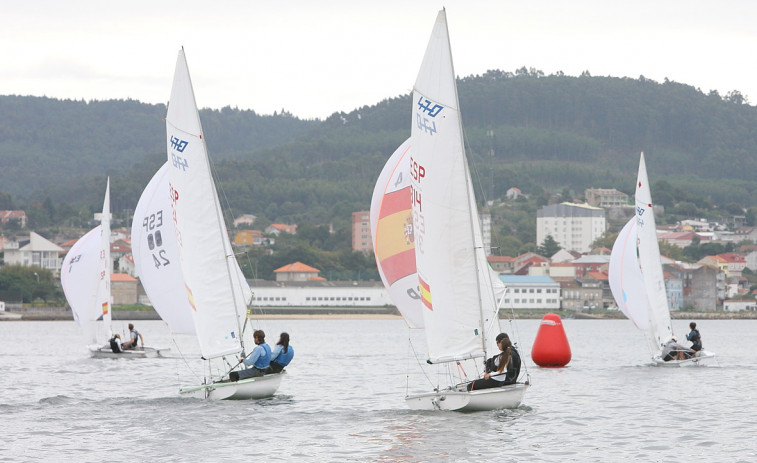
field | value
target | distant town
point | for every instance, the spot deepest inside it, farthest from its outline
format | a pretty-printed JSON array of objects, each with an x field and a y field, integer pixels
[{"x": 572, "y": 278}]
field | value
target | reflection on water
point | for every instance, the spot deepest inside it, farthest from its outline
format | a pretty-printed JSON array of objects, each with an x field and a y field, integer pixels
[{"x": 343, "y": 400}]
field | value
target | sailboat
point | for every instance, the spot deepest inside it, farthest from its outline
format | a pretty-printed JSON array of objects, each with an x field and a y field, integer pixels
[
  {"x": 200, "y": 276},
  {"x": 636, "y": 278},
  {"x": 460, "y": 310},
  {"x": 85, "y": 278}
]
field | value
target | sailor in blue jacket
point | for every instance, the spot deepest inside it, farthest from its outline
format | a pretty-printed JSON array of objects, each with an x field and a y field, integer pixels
[
  {"x": 282, "y": 354},
  {"x": 259, "y": 359}
]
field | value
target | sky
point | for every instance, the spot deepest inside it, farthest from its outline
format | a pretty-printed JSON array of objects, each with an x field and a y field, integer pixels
[{"x": 313, "y": 58}]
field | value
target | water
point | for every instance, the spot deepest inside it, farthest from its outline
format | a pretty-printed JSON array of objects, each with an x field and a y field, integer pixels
[{"x": 342, "y": 400}]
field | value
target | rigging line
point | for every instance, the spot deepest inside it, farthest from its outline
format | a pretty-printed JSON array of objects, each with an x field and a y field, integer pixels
[
  {"x": 184, "y": 359},
  {"x": 474, "y": 168},
  {"x": 420, "y": 364},
  {"x": 516, "y": 332}
]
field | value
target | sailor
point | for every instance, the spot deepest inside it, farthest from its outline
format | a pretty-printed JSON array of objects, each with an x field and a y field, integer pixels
[
  {"x": 133, "y": 336},
  {"x": 115, "y": 344},
  {"x": 674, "y": 351},
  {"x": 282, "y": 354},
  {"x": 502, "y": 369},
  {"x": 259, "y": 359},
  {"x": 694, "y": 337}
]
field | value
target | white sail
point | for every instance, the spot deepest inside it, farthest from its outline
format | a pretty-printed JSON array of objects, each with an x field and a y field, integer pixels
[
  {"x": 393, "y": 237},
  {"x": 156, "y": 255},
  {"x": 212, "y": 285},
  {"x": 105, "y": 267},
  {"x": 626, "y": 281},
  {"x": 454, "y": 279},
  {"x": 660, "y": 327},
  {"x": 393, "y": 240},
  {"x": 85, "y": 277}
]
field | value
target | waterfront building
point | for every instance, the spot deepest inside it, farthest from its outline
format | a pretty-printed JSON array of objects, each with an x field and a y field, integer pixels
[
  {"x": 530, "y": 292},
  {"x": 574, "y": 226}
]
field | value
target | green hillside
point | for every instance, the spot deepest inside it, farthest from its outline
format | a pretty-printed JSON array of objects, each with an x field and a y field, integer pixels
[{"x": 547, "y": 133}]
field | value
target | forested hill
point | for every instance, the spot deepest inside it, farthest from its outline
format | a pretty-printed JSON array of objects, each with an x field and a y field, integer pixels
[
  {"x": 545, "y": 132},
  {"x": 45, "y": 141}
]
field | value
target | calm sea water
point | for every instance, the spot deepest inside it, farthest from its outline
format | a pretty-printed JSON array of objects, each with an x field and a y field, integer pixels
[{"x": 343, "y": 400}]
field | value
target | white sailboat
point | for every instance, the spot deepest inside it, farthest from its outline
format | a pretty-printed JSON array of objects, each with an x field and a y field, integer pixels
[
  {"x": 636, "y": 277},
  {"x": 455, "y": 281},
  {"x": 215, "y": 293},
  {"x": 85, "y": 278}
]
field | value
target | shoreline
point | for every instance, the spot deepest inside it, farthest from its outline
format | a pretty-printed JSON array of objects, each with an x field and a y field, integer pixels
[{"x": 376, "y": 313}]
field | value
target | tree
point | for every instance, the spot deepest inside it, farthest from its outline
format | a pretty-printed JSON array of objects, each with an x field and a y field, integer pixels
[
  {"x": 548, "y": 247},
  {"x": 751, "y": 216},
  {"x": 28, "y": 284}
]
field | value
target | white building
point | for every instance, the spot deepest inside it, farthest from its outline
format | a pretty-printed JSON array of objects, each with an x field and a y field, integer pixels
[
  {"x": 531, "y": 292},
  {"x": 33, "y": 250},
  {"x": 740, "y": 305},
  {"x": 486, "y": 229},
  {"x": 605, "y": 197},
  {"x": 320, "y": 294},
  {"x": 574, "y": 226}
]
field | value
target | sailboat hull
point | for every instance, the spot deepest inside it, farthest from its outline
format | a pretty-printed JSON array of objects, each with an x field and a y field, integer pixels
[
  {"x": 105, "y": 352},
  {"x": 703, "y": 358},
  {"x": 474, "y": 401},
  {"x": 258, "y": 387}
]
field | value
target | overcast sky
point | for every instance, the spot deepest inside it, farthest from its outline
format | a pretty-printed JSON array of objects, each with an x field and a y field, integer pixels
[{"x": 313, "y": 58}]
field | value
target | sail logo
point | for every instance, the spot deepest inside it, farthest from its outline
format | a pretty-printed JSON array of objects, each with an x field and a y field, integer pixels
[
  {"x": 431, "y": 110},
  {"x": 424, "y": 124},
  {"x": 178, "y": 144},
  {"x": 425, "y": 290},
  {"x": 640, "y": 210},
  {"x": 424, "y": 105},
  {"x": 76, "y": 259},
  {"x": 105, "y": 308},
  {"x": 179, "y": 162}
]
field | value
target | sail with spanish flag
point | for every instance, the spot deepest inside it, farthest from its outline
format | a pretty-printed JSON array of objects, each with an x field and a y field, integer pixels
[{"x": 393, "y": 240}]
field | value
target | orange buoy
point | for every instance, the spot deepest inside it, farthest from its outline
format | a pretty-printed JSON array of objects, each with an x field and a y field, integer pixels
[{"x": 551, "y": 348}]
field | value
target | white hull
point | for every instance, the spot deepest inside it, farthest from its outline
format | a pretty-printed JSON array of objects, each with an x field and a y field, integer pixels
[
  {"x": 703, "y": 358},
  {"x": 258, "y": 387},
  {"x": 463, "y": 401},
  {"x": 105, "y": 352}
]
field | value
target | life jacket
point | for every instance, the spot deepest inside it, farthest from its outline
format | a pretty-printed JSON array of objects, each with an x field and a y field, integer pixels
[
  {"x": 285, "y": 356},
  {"x": 264, "y": 360},
  {"x": 115, "y": 346},
  {"x": 696, "y": 340},
  {"x": 134, "y": 338}
]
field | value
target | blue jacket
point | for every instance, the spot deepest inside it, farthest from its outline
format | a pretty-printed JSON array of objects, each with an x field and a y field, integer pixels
[
  {"x": 260, "y": 357},
  {"x": 279, "y": 356}
]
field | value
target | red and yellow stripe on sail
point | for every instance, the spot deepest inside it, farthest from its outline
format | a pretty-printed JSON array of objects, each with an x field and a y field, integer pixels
[
  {"x": 105, "y": 308},
  {"x": 191, "y": 298},
  {"x": 425, "y": 290},
  {"x": 395, "y": 246}
]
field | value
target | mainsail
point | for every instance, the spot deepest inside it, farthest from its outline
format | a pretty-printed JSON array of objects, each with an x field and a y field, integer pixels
[
  {"x": 660, "y": 327},
  {"x": 85, "y": 276},
  {"x": 212, "y": 283},
  {"x": 460, "y": 312}
]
